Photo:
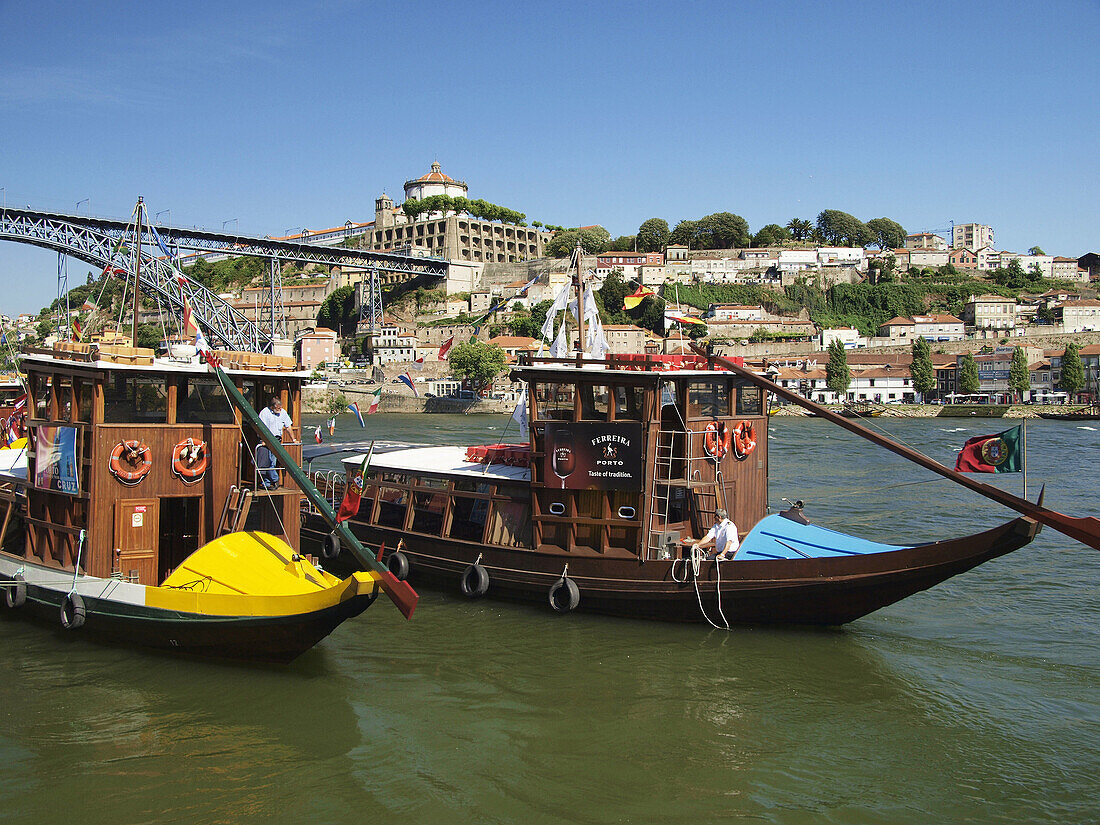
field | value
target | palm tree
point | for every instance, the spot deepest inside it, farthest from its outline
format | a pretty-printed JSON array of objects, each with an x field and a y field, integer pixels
[{"x": 799, "y": 229}]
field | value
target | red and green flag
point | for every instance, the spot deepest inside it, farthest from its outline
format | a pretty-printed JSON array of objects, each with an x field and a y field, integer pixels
[
  {"x": 1000, "y": 453},
  {"x": 349, "y": 507}
]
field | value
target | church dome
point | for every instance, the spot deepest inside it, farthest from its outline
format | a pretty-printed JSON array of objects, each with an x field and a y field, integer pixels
[{"x": 435, "y": 183}]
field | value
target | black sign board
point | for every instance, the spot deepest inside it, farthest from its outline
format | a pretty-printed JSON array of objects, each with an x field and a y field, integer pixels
[{"x": 594, "y": 455}]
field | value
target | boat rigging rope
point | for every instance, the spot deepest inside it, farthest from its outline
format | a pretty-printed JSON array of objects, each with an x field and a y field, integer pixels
[
  {"x": 76, "y": 567},
  {"x": 255, "y": 464}
]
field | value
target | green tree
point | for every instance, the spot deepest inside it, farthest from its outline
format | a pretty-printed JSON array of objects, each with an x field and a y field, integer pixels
[
  {"x": 840, "y": 228},
  {"x": 1073, "y": 371},
  {"x": 722, "y": 230},
  {"x": 1019, "y": 376},
  {"x": 653, "y": 235},
  {"x": 771, "y": 235},
  {"x": 968, "y": 374},
  {"x": 594, "y": 240},
  {"x": 921, "y": 369},
  {"x": 887, "y": 234},
  {"x": 837, "y": 374},
  {"x": 1035, "y": 250},
  {"x": 684, "y": 233},
  {"x": 623, "y": 243},
  {"x": 476, "y": 362},
  {"x": 338, "y": 311},
  {"x": 800, "y": 229}
]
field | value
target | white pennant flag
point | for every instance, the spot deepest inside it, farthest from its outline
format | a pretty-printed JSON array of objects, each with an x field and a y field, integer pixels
[
  {"x": 519, "y": 415},
  {"x": 560, "y": 347}
]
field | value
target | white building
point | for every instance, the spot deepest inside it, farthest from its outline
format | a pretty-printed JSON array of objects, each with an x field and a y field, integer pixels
[
  {"x": 924, "y": 240},
  {"x": 939, "y": 327},
  {"x": 990, "y": 312},
  {"x": 849, "y": 337},
  {"x": 734, "y": 312},
  {"x": 971, "y": 236},
  {"x": 1077, "y": 316},
  {"x": 1044, "y": 262},
  {"x": 392, "y": 346},
  {"x": 797, "y": 260}
]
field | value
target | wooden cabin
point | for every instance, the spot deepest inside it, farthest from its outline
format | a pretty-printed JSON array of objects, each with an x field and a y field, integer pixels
[
  {"x": 663, "y": 485},
  {"x": 617, "y": 468},
  {"x": 91, "y": 407}
]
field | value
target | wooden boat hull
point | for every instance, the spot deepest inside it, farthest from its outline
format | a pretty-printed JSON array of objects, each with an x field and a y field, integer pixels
[
  {"x": 117, "y": 611},
  {"x": 815, "y": 591},
  {"x": 1069, "y": 416}
]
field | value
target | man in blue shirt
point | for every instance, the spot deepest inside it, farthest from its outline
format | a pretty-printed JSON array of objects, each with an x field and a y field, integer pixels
[{"x": 277, "y": 421}]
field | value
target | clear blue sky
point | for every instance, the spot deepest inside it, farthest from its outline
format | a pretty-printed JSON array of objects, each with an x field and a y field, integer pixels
[{"x": 297, "y": 115}]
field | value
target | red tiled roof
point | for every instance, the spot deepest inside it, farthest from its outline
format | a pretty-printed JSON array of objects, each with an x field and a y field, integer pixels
[{"x": 896, "y": 321}]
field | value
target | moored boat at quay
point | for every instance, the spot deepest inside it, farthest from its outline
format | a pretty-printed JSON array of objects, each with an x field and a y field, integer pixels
[
  {"x": 138, "y": 516},
  {"x": 628, "y": 460}
]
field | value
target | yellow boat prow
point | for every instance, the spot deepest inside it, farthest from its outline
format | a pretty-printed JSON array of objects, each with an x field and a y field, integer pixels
[
  {"x": 252, "y": 563},
  {"x": 254, "y": 573}
]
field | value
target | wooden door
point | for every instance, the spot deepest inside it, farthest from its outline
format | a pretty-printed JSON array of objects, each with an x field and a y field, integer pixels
[{"x": 137, "y": 536}]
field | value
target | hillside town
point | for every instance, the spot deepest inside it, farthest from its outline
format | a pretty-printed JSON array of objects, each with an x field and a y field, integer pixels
[{"x": 503, "y": 274}]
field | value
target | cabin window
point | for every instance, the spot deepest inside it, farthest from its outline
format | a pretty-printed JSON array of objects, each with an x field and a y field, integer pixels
[
  {"x": 749, "y": 400},
  {"x": 41, "y": 389},
  {"x": 63, "y": 392},
  {"x": 204, "y": 402},
  {"x": 511, "y": 524},
  {"x": 85, "y": 400},
  {"x": 129, "y": 400},
  {"x": 248, "y": 392},
  {"x": 468, "y": 517},
  {"x": 555, "y": 401},
  {"x": 707, "y": 399},
  {"x": 392, "y": 504},
  {"x": 429, "y": 505},
  {"x": 594, "y": 402},
  {"x": 628, "y": 403}
]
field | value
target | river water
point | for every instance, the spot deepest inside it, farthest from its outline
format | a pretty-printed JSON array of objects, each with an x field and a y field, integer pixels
[{"x": 975, "y": 702}]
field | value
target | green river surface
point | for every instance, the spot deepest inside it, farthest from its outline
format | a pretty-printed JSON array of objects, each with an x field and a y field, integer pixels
[{"x": 977, "y": 701}]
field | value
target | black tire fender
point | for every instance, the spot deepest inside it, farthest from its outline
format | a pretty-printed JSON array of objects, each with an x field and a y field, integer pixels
[
  {"x": 330, "y": 547},
  {"x": 475, "y": 581},
  {"x": 399, "y": 565},
  {"x": 564, "y": 595},
  {"x": 15, "y": 595},
  {"x": 73, "y": 612}
]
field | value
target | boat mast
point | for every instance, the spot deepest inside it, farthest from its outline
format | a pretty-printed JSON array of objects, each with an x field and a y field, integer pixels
[
  {"x": 579, "y": 284},
  {"x": 1084, "y": 529},
  {"x": 137, "y": 269}
]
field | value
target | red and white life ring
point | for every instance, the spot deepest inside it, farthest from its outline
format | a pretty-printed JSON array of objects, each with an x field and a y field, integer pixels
[
  {"x": 744, "y": 440},
  {"x": 716, "y": 440},
  {"x": 189, "y": 459},
  {"x": 131, "y": 461}
]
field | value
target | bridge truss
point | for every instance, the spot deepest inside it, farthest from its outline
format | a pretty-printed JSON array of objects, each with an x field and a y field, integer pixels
[{"x": 102, "y": 242}]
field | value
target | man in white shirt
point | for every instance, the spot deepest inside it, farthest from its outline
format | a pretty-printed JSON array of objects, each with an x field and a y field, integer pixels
[
  {"x": 276, "y": 420},
  {"x": 723, "y": 535}
]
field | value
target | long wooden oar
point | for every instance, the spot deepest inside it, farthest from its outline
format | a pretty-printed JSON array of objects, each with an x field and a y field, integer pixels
[
  {"x": 1084, "y": 529},
  {"x": 400, "y": 592}
]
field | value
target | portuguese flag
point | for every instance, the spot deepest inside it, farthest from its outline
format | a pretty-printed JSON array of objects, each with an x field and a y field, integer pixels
[{"x": 1000, "y": 453}]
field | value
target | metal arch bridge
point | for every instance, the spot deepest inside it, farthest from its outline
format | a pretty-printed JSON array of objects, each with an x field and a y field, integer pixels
[{"x": 97, "y": 241}]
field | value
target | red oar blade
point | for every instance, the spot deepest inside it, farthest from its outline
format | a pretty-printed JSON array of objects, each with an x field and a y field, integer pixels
[{"x": 400, "y": 593}]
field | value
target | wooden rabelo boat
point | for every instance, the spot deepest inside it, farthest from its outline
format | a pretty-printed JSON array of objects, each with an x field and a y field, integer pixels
[
  {"x": 628, "y": 458},
  {"x": 1089, "y": 413},
  {"x": 861, "y": 409},
  {"x": 137, "y": 516}
]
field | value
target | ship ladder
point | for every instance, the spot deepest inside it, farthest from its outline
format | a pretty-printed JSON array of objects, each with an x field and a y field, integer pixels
[
  {"x": 660, "y": 504},
  {"x": 234, "y": 511}
]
